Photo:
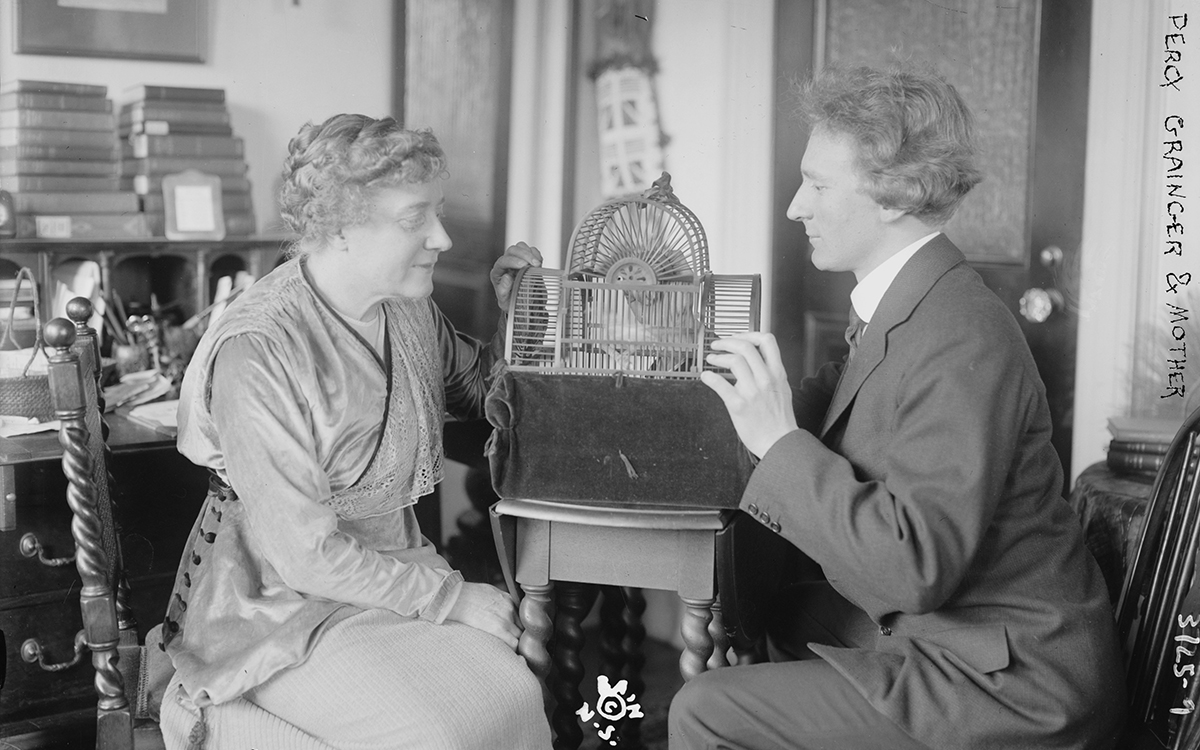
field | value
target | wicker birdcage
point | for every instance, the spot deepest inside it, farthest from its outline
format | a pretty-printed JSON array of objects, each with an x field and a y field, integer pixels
[
  {"x": 602, "y": 400},
  {"x": 637, "y": 296}
]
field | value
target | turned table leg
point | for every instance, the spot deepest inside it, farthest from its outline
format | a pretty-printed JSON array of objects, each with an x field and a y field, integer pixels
[
  {"x": 698, "y": 642},
  {"x": 720, "y": 639},
  {"x": 574, "y": 601},
  {"x": 635, "y": 659},
  {"x": 537, "y": 619}
]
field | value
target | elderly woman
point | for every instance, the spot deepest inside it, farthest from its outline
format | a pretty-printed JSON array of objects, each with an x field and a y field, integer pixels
[{"x": 309, "y": 609}]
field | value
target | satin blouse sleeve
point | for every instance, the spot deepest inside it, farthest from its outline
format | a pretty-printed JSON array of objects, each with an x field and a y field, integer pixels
[
  {"x": 258, "y": 406},
  {"x": 466, "y": 367}
]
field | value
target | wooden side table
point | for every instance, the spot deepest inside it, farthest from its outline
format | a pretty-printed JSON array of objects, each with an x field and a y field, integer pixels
[{"x": 541, "y": 543}]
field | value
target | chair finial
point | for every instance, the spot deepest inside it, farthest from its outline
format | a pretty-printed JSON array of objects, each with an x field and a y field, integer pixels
[
  {"x": 59, "y": 333},
  {"x": 79, "y": 310}
]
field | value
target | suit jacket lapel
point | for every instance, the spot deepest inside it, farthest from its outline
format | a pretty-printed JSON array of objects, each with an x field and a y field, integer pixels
[{"x": 911, "y": 285}]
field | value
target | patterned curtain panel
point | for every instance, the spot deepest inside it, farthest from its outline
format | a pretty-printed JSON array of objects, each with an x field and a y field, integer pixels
[{"x": 631, "y": 141}]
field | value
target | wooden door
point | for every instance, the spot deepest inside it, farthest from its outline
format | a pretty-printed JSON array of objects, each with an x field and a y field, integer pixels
[
  {"x": 1022, "y": 66},
  {"x": 453, "y": 74},
  {"x": 453, "y": 70}
]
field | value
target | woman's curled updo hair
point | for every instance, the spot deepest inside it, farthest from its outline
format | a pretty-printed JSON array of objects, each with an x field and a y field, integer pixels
[{"x": 332, "y": 167}]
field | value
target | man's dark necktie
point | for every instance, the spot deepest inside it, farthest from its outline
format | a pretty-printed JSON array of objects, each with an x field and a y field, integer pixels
[{"x": 854, "y": 331}]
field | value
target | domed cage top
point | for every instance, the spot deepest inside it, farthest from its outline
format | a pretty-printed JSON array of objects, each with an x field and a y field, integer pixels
[
  {"x": 636, "y": 298},
  {"x": 649, "y": 239}
]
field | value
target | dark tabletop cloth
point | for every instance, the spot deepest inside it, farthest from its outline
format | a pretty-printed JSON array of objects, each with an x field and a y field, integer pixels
[{"x": 1111, "y": 508}]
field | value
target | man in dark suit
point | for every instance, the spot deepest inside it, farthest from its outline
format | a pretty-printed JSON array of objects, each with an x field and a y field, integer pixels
[{"x": 960, "y": 608}]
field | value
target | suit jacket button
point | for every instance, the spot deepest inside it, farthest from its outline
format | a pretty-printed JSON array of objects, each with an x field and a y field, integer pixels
[
  {"x": 766, "y": 518},
  {"x": 776, "y": 527},
  {"x": 885, "y": 630},
  {"x": 753, "y": 509}
]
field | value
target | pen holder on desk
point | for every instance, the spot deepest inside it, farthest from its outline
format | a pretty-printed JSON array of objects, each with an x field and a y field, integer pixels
[{"x": 131, "y": 358}]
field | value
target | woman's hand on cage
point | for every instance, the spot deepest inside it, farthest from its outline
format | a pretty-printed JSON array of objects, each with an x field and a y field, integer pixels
[
  {"x": 759, "y": 400},
  {"x": 504, "y": 270}
]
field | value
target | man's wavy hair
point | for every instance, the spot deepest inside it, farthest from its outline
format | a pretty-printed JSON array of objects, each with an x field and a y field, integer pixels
[
  {"x": 914, "y": 135},
  {"x": 331, "y": 169}
]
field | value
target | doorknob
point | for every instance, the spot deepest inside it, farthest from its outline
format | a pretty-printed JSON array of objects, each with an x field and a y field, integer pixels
[
  {"x": 1037, "y": 305},
  {"x": 1051, "y": 256}
]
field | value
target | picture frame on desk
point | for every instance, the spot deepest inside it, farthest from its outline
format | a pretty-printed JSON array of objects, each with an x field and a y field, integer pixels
[
  {"x": 192, "y": 206},
  {"x": 136, "y": 29}
]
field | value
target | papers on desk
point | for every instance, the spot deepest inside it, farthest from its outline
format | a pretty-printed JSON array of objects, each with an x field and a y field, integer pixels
[
  {"x": 136, "y": 388},
  {"x": 14, "y": 426},
  {"x": 160, "y": 415}
]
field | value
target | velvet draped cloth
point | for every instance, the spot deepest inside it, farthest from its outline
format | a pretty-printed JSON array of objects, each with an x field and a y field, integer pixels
[{"x": 625, "y": 441}]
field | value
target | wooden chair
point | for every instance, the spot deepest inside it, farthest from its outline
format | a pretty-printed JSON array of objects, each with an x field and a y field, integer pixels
[
  {"x": 1158, "y": 612},
  {"x": 110, "y": 630}
]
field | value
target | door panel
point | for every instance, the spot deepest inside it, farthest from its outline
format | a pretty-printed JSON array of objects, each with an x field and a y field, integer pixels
[
  {"x": 1022, "y": 69},
  {"x": 453, "y": 74}
]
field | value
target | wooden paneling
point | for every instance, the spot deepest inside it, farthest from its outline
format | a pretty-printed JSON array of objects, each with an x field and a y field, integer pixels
[
  {"x": 988, "y": 51},
  {"x": 454, "y": 64},
  {"x": 456, "y": 82}
]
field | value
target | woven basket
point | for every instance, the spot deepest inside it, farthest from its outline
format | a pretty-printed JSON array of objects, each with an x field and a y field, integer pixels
[{"x": 26, "y": 395}]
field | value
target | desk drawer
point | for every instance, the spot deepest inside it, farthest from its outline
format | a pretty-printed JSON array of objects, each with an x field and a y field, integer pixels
[
  {"x": 54, "y": 619},
  {"x": 41, "y": 510},
  {"x": 154, "y": 514}
]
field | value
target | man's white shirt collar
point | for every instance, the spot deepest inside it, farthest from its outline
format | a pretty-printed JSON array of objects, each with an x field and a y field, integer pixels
[{"x": 867, "y": 293}]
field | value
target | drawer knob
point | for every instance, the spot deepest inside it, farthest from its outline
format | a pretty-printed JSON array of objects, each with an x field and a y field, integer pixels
[
  {"x": 31, "y": 546},
  {"x": 32, "y": 651}
]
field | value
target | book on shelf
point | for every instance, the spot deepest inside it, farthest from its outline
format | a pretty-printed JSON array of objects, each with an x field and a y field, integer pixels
[
  {"x": 47, "y": 137},
  {"x": 150, "y": 91},
  {"x": 80, "y": 153},
  {"x": 34, "y": 100},
  {"x": 174, "y": 113},
  {"x": 1142, "y": 463},
  {"x": 9, "y": 289},
  {"x": 37, "y": 183},
  {"x": 162, "y": 127},
  {"x": 1144, "y": 429},
  {"x": 107, "y": 202},
  {"x": 53, "y": 87},
  {"x": 144, "y": 184},
  {"x": 164, "y": 165},
  {"x": 142, "y": 145},
  {"x": 82, "y": 226},
  {"x": 241, "y": 223},
  {"x": 11, "y": 167},
  {"x": 1128, "y": 446},
  {"x": 59, "y": 119},
  {"x": 231, "y": 203}
]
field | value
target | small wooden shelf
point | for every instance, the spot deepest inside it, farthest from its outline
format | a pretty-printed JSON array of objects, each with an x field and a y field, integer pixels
[
  {"x": 140, "y": 245},
  {"x": 122, "y": 261}
]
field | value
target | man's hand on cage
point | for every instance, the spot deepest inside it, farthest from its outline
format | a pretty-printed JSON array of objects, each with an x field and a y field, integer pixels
[{"x": 760, "y": 399}]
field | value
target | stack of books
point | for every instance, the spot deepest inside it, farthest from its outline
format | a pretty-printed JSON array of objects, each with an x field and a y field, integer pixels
[
  {"x": 59, "y": 157},
  {"x": 170, "y": 129},
  {"x": 1139, "y": 444}
]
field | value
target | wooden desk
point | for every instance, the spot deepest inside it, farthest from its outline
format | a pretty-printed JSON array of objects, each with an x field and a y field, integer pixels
[
  {"x": 158, "y": 493},
  {"x": 125, "y": 436},
  {"x": 671, "y": 549}
]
